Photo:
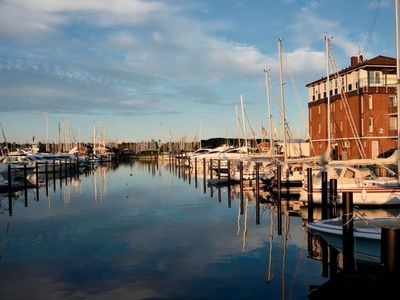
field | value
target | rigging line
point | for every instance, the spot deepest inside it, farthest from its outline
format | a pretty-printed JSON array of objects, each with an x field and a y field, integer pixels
[
  {"x": 371, "y": 28},
  {"x": 296, "y": 92}
]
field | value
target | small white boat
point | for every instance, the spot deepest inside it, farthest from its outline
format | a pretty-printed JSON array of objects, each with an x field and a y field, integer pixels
[
  {"x": 367, "y": 188},
  {"x": 367, "y": 234}
]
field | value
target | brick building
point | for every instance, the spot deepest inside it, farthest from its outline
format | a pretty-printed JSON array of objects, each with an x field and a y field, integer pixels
[{"x": 363, "y": 109}]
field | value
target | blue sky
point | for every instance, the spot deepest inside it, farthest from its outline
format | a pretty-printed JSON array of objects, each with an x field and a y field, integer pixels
[{"x": 151, "y": 69}]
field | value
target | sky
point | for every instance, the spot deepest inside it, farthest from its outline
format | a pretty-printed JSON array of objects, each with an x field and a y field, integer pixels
[{"x": 169, "y": 69}]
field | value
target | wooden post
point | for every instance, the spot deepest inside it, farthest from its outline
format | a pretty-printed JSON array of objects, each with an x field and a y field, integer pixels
[
  {"x": 47, "y": 178},
  {"x": 257, "y": 193},
  {"x": 195, "y": 172},
  {"x": 229, "y": 196},
  {"x": 66, "y": 168},
  {"x": 77, "y": 166},
  {"x": 204, "y": 175},
  {"x": 70, "y": 168},
  {"x": 348, "y": 235},
  {"x": 310, "y": 204},
  {"x": 229, "y": 171},
  {"x": 332, "y": 198},
  {"x": 37, "y": 181},
  {"x": 211, "y": 168},
  {"x": 60, "y": 171},
  {"x": 279, "y": 179},
  {"x": 219, "y": 169},
  {"x": 333, "y": 262},
  {"x": 26, "y": 185},
  {"x": 324, "y": 195},
  {"x": 390, "y": 250},
  {"x": 9, "y": 175}
]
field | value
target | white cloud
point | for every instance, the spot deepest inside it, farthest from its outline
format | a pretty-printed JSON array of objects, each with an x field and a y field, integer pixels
[
  {"x": 309, "y": 29},
  {"x": 22, "y": 18}
]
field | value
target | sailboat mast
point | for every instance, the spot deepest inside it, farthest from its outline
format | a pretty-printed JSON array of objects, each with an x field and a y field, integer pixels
[
  {"x": 282, "y": 97},
  {"x": 271, "y": 142},
  {"x": 237, "y": 125},
  {"x": 243, "y": 121},
  {"x": 328, "y": 94},
  {"x": 47, "y": 132},
  {"x": 396, "y": 3},
  {"x": 200, "y": 137},
  {"x": 94, "y": 138}
]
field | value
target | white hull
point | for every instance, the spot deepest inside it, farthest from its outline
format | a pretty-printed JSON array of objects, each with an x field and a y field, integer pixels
[
  {"x": 367, "y": 234},
  {"x": 361, "y": 196}
]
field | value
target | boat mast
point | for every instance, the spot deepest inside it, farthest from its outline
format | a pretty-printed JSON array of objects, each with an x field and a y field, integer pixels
[
  {"x": 47, "y": 132},
  {"x": 243, "y": 121},
  {"x": 5, "y": 140},
  {"x": 282, "y": 96},
  {"x": 328, "y": 94},
  {"x": 94, "y": 138},
  {"x": 237, "y": 125},
  {"x": 396, "y": 3},
  {"x": 200, "y": 136},
  {"x": 271, "y": 142}
]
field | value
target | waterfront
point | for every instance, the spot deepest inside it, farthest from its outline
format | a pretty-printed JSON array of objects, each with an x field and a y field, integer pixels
[{"x": 143, "y": 231}]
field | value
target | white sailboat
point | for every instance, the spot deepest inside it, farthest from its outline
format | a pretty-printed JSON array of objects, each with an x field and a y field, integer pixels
[{"x": 367, "y": 231}]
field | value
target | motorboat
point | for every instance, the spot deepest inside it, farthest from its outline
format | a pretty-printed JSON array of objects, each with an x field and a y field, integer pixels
[
  {"x": 367, "y": 234},
  {"x": 367, "y": 188}
]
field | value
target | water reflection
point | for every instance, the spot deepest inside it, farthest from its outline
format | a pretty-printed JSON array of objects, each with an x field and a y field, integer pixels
[{"x": 140, "y": 231}]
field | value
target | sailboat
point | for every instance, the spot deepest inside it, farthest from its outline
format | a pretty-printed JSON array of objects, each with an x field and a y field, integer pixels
[
  {"x": 292, "y": 175},
  {"x": 367, "y": 188},
  {"x": 367, "y": 231}
]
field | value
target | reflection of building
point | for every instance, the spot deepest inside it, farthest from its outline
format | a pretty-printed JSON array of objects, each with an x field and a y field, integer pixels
[{"x": 363, "y": 109}]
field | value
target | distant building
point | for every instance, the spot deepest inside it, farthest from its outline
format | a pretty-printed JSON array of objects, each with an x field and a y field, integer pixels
[{"x": 363, "y": 109}]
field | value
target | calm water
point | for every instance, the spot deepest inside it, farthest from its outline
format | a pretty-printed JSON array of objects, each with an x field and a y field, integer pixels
[{"x": 141, "y": 231}]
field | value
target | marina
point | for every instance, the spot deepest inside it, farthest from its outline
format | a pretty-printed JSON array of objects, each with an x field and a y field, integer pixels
[
  {"x": 162, "y": 149},
  {"x": 157, "y": 231}
]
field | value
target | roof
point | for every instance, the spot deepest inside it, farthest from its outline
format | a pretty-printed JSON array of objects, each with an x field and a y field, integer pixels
[{"x": 379, "y": 60}]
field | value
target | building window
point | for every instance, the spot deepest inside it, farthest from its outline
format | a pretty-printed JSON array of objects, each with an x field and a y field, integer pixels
[
  {"x": 335, "y": 83},
  {"x": 330, "y": 92},
  {"x": 370, "y": 125},
  {"x": 350, "y": 87},
  {"x": 324, "y": 94},
  {"x": 392, "y": 101},
  {"x": 313, "y": 98},
  {"x": 370, "y": 100},
  {"x": 374, "y": 77},
  {"x": 336, "y": 91},
  {"x": 393, "y": 123},
  {"x": 319, "y": 96}
]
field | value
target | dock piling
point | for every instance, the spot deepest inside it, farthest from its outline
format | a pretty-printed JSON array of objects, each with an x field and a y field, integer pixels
[
  {"x": 348, "y": 235},
  {"x": 390, "y": 249},
  {"x": 310, "y": 204}
]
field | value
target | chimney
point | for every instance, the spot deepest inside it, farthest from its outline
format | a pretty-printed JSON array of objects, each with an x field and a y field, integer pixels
[{"x": 353, "y": 61}]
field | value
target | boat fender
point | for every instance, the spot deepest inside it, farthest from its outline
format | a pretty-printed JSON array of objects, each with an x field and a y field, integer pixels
[{"x": 364, "y": 194}]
